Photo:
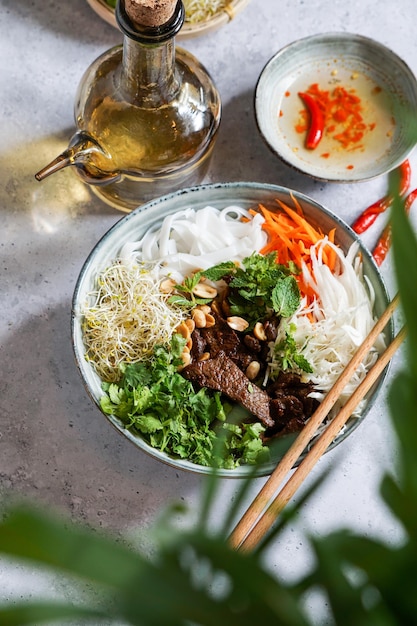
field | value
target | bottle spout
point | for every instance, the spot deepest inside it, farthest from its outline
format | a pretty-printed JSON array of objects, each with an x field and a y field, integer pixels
[
  {"x": 80, "y": 152},
  {"x": 61, "y": 161},
  {"x": 79, "y": 149}
]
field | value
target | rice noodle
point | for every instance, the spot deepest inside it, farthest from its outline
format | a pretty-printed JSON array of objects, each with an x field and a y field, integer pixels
[
  {"x": 190, "y": 240},
  {"x": 329, "y": 331}
]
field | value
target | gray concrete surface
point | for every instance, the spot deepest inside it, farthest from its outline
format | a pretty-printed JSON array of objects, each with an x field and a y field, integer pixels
[{"x": 55, "y": 446}]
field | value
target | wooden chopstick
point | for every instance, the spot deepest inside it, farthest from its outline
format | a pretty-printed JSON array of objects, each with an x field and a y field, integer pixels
[
  {"x": 242, "y": 535},
  {"x": 287, "y": 492}
]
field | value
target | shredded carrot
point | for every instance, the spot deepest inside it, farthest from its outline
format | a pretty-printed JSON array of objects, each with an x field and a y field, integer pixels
[{"x": 291, "y": 236}]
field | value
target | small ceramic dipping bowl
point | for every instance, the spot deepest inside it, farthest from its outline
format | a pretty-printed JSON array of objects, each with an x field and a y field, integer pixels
[{"x": 365, "y": 98}]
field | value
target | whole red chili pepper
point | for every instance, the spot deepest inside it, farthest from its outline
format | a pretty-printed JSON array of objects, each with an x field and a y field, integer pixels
[
  {"x": 384, "y": 242},
  {"x": 383, "y": 245},
  {"x": 316, "y": 128},
  {"x": 369, "y": 215}
]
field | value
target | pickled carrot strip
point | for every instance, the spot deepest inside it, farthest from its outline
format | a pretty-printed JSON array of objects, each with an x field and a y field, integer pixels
[{"x": 291, "y": 236}]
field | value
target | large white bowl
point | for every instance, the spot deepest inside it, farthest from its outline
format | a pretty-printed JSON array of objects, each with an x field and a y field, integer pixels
[
  {"x": 134, "y": 225},
  {"x": 385, "y": 84}
]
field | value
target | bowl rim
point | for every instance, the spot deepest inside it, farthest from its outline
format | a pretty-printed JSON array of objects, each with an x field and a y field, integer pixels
[
  {"x": 323, "y": 37},
  {"x": 189, "y": 29},
  {"x": 243, "y": 470}
]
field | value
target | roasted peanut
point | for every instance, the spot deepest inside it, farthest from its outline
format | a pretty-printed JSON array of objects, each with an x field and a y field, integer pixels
[
  {"x": 183, "y": 330},
  {"x": 190, "y": 323},
  {"x": 225, "y": 307},
  {"x": 217, "y": 307},
  {"x": 259, "y": 331},
  {"x": 237, "y": 323},
  {"x": 186, "y": 360},
  {"x": 205, "y": 356},
  {"x": 203, "y": 307},
  {"x": 210, "y": 321},
  {"x": 167, "y": 285},
  {"x": 199, "y": 318},
  {"x": 204, "y": 291},
  {"x": 253, "y": 370}
]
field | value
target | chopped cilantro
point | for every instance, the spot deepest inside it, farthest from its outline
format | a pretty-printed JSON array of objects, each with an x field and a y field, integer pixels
[
  {"x": 152, "y": 399},
  {"x": 287, "y": 354}
]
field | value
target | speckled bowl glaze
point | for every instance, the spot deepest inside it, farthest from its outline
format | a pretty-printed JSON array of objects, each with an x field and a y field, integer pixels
[
  {"x": 385, "y": 84},
  {"x": 133, "y": 226}
]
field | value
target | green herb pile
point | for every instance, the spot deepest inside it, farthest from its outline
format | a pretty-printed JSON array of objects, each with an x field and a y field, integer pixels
[
  {"x": 155, "y": 401},
  {"x": 261, "y": 286},
  {"x": 257, "y": 288}
]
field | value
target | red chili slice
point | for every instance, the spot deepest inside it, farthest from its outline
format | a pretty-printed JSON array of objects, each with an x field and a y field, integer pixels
[{"x": 316, "y": 128}]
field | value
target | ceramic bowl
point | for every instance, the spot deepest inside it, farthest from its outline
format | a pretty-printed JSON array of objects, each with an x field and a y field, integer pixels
[
  {"x": 385, "y": 85},
  {"x": 135, "y": 224},
  {"x": 189, "y": 29}
]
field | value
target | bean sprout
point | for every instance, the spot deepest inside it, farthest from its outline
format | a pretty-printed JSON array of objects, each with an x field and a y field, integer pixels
[
  {"x": 202, "y": 10},
  {"x": 127, "y": 317}
]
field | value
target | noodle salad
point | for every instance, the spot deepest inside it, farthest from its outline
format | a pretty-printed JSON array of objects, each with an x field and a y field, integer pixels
[{"x": 220, "y": 331}]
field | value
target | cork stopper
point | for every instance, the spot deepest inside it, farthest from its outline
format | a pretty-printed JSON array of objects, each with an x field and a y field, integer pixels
[{"x": 150, "y": 13}]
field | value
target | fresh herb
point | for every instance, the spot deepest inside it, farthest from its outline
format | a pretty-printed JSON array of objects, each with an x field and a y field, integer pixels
[
  {"x": 260, "y": 287},
  {"x": 244, "y": 439},
  {"x": 187, "y": 298},
  {"x": 155, "y": 401},
  {"x": 288, "y": 355},
  {"x": 217, "y": 272}
]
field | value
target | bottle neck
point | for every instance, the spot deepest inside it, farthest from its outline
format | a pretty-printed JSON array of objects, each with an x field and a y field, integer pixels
[{"x": 148, "y": 76}]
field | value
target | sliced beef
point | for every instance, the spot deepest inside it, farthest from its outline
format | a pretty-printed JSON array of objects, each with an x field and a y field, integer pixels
[
  {"x": 284, "y": 381},
  {"x": 290, "y": 384},
  {"x": 198, "y": 346},
  {"x": 222, "y": 338},
  {"x": 252, "y": 343},
  {"x": 294, "y": 425},
  {"x": 222, "y": 374},
  {"x": 290, "y": 404},
  {"x": 283, "y": 407},
  {"x": 271, "y": 328}
]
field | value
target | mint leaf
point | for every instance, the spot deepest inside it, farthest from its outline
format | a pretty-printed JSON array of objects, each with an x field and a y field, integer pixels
[
  {"x": 286, "y": 297},
  {"x": 181, "y": 301},
  {"x": 217, "y": 272}
]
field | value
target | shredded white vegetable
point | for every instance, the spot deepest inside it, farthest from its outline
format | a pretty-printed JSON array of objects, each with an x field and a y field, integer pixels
[
  {"x": 190, "y": 240},
  {"x": 342, "y": 318},
  {"x": 128, "y": 316}
]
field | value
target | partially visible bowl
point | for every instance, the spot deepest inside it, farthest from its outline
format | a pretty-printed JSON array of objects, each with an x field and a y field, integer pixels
[
  {"x": 190, "y": 29},
  {"x": 247, "y": 195},
  {"x": 384, "y": 83}
]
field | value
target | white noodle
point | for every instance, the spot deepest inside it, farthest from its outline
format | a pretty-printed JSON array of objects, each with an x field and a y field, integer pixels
[
  {"x": 190, "y": 240},
  {"x": 343, "y": 314}
]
